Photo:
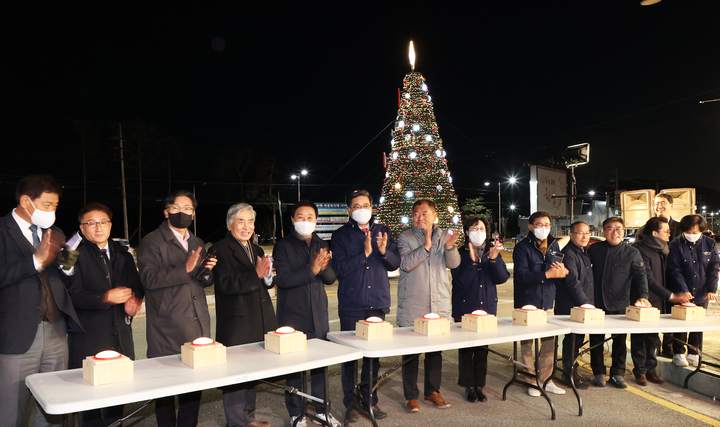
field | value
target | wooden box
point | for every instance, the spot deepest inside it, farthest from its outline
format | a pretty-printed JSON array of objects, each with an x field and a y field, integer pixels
[
  {"x": 479, "y": 323},
  {"x": 687, "y": 313},
  {"x": 372, "y": 331},
  {"x": 587, "y": 315},
  {"x": 200, "y": 356},
  {"x": 529, "y": 317},
  {"x": 285, "y": 343},
  {"x": 99, "y": 372},
  {"x": 642, "y": 314},
  {"x": 430, "y": 327}
]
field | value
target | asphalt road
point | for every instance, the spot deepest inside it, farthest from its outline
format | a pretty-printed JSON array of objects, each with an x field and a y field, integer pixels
[{"x": 664, "y": 405}]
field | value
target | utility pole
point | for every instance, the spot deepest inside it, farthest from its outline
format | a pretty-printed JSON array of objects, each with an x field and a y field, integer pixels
[{"x": 124, "y": 193}]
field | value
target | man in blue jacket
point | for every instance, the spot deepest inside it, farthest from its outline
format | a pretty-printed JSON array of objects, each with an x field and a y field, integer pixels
[
  {"x": 535, "y": 272},
  {"x": 575, "y": 290},
  {"x": 363, "y": 253}
]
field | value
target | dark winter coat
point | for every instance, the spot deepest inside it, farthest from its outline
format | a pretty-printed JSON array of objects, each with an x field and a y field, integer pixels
[
  {"x": 619, "y": 272},
  {"x": 578, "y": 287},
  {"x": 363, "y": 282},
  {"x": 530, "y": 284},
  {"x": 176, "y": 306},
  {"x": 21, "y": 290},
  {"x": 242, "y": 302},
  {"x": 474, "y": 283},
  {"x": 693, "y": 267},
  {"x": 655, "y": 259},
  {"x": 107, "y": 327},
  {"x": 302, "y": 302}
]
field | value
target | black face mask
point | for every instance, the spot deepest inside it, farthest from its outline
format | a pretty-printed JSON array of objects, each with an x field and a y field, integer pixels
[{"x": 180, "y": 219}]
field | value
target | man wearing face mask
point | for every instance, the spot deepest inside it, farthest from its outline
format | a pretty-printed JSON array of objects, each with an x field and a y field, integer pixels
[
  {"x": 692, "y": 267},
  {"x": 35, "y": 306},
  {"x": 620, "y": 280},
  {"x": 536, "y": 271},
  {"x": 174, "y": 280},
  {"x": 303, "y": 266},
  {"x": 363, "y": 253}
]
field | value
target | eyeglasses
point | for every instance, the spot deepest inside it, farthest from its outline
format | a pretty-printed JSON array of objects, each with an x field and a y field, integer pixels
[
  {"x": 365, "y": 206},
  {"x": 615, "y": 230},
  {"x": 102, "y": 224},
  {"x": 582, "y": 233},
  {"x": 177, "y": 208},
  {"x": 663, "y": 203}
]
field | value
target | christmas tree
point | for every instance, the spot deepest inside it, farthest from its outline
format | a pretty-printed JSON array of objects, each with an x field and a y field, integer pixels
[{"x": 416, "y": 167}]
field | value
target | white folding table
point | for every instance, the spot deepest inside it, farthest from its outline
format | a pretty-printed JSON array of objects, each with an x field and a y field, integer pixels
[
  {"x": 65, "y": 392},
  {"x": 619, "y": 324},
  {"x": 406, "y": 341}
]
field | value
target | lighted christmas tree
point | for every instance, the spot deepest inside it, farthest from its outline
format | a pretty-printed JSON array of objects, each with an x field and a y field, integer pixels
[{"x": 416, "y": 167}]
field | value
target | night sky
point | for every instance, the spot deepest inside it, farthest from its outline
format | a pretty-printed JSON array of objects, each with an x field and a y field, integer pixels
[{"x": 513, "y": 83}]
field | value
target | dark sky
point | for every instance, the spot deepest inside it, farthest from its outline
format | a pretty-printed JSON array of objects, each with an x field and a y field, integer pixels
[{"x": 512, "y": 83}]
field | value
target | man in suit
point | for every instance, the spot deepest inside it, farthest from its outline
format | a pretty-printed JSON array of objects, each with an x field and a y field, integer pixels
[
  {"x": 107, "y": 293},
  {"x": 174, "y": 280},
  {"x": 35, "y": 306},
  {"x": 243, "y": 305}
]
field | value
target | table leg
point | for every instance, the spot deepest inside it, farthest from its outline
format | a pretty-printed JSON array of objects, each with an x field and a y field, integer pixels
[
  {"x": 700, "y": 363},
  {"x": 535, "y": 375}
]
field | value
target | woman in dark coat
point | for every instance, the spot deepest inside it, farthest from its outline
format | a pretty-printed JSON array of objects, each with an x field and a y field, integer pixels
[
  {"x": 474, "y": 288},
  {"x": 243, "y": 305}
]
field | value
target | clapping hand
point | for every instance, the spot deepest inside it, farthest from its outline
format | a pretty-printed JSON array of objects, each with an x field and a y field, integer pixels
[
  {"x": 262, "y": 267},
  {"x": 320, "y": 261},
  {"x": 451, "y": 237}
]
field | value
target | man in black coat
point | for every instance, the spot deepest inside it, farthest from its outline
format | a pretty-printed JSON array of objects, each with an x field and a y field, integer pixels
[
  {"x": 620, "y": 280},
  {"x": 242, "y": 303},
  {"x": 303, "y": 266},
  {"x": 35, "y": 306},
  {"x": 575, "y": 290},
  {"x": 107, "y": 293}
]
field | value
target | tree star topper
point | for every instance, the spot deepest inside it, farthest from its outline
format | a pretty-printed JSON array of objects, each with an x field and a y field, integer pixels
[{"x": 412, "y": 56}]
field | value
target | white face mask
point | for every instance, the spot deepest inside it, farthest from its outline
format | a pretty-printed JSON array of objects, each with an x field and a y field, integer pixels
[
  {"x": 41, "y": 218},
  {"x": 541, "y": 233},
  {"x": 477, "y": 238},
  {"x": 362, "y": 216},
  {"x": 692, "y": 237},
  {"x": 304, "y": 228}
]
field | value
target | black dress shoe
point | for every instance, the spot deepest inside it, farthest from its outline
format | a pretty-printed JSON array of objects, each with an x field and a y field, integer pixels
[
  {"x": 480, "y": 395},
  {"x": 470, "y": 394},
  {"x": 352, "y": 417},
  {"x": 379, "y": 413}
]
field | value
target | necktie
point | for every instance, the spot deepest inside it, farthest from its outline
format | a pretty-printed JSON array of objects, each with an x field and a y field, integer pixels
[
  {"x": 105, "y": 255},
  {"x": 36, "y": 239},
  {"x": 364, "y": 229}
]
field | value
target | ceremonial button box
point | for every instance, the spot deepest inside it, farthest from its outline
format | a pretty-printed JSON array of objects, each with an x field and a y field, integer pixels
[
  {"x": 373, "y": 328},
  {"x": 642, "y": 313},
  {"x": 587, "y": 313},
  {"x": 203, "y": 352},
  {"x": 285, "y": 340},
  {"x": 107, "y": 367},
  {"x": 432, "y": 324},
  {"x": 479, "y": 321},
  {"x": 687, "y": 311},
  {"x": 529, "y": 315}
]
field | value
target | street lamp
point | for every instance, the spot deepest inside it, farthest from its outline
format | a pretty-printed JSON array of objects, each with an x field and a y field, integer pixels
[
  {"x": 297, "y": 176},
  {"x": 512, "y": 180}
]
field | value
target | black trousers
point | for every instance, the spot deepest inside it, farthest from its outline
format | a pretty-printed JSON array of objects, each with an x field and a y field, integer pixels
[
  {"x": 433, "y": 374},
  {"x": 472, "y": 366},
  {"x": 348, "y": 319},
  {"x": 619, "y": 354},
  {"x": 188, "y": 410},
  {"x": 642, "y": 351},
  {"x": 102, "y": 417},
  {"x": 239, "y": 404},
  {"x": 569, "y": 353}
]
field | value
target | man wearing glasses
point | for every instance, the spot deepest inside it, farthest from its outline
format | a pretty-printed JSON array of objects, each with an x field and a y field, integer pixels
[
  {"x": 363, "y": 253},
  {"x": 663, "y": 206},
  {"x": 573, "y": 291},
  {"x": 174, "y": 280},
  {"x": 107, "y": 293},
  {"x": 620, "y": 281}
]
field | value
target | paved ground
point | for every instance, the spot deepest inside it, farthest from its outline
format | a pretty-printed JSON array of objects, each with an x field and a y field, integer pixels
[{"x": 665, "y": 405}]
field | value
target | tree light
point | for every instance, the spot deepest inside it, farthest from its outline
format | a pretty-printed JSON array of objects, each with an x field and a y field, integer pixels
[
  {"x": 404, "y": 220},
  {"x": 398, "y": 185},
  {"x": 382, "y": 199},
  {"x": 409, "y": 194},
  {"x": 413, "y": 154}
]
